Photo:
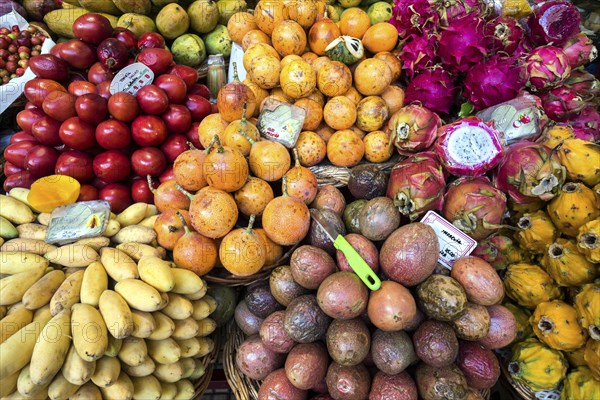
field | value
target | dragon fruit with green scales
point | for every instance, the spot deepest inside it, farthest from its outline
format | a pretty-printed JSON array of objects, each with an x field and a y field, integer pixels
[
  {"x": 562, "y": 103},
  {"x": 474, "y": 206},
  {"x": 469, "y": 147},
  {"x": 413, "y": 17},
  {"x": 547, "y": 67},
  {"x": 450, "y": 10},
  {"x": 500, "y": 251},
  {"x": 529, "y": 171},
  {"x": 462, "y": 43},
  {"x": 417, "y": 185},
  {"x": 413, "y": 128}
]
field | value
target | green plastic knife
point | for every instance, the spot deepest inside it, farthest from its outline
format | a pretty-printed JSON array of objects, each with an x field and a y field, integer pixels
[{"x": 357, "y": 263}]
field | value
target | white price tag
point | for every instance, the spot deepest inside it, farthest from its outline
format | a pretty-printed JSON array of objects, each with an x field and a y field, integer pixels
[
  {"x": 131, "y": 79},
  {"x": 454, "y": 243}
]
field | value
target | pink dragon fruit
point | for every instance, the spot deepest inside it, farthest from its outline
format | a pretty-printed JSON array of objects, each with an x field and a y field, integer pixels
[
  {"x": 553, "y": 22},
  {"x": 494, "y": 81},
  {"x": 584, "y": 84},
  {"x": 469, "y": 147},
  {"x": 418, "y": 53},
  {"x": 434, "y": 88},
  {"x": 580, "y": 50},
  {"x": 417, "y": 185},
  {"x": 449, "y": 10},
  {"x": 415, "y": 16},
  {"x": 413, "y": 128},
  {"x": 500, "y": 251},
  {"x": 586, "y": 124},
  {"x": 562, "y": 103},
  {"x": 547, "y": 67},
  {"x": 504, "y": 34},
  {"x": 462, "y": 43},
  {"x": 474, "y": 206},
  {"x": 529, "y": 171}
]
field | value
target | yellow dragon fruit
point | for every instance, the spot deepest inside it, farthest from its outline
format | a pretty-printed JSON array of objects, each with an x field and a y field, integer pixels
[
  {"x": 581, "y": 160},
  {"x": 576, "y": 357},
  {"x": 529, "y": 285},
  {"x": 575, "y": 205},
  {"x": 566, "y": 265},
  {"x": 522, "y": 315},
  {"x": 587, "y": 304},
  {"x": 536, "y": 232},
  {"x": 537, "y": 366},
  {"x": 588, "y": 240},
  {"x": 555, "y": 324},
  {"x": 555, "y": 135},
  {"x": 580, "y": 384},
  {"x": 592, "y": 357}
]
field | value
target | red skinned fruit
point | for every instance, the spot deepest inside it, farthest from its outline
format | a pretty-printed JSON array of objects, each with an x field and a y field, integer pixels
[
  {"x": 15, "y": 153},
  {"x": 141, "y": 193},
  {"x": 77, "y": 54},
  {"x": 150, "y": 40},
  {"x": 480, "y": 365},
  {"x": 413, "y": 128},
  {"x": 22, "y": 136},
  {"x": 126, "y": 37},
  {"x": 40, "y": 160},
  {"x": 112, "y": 54},
  {"x": 158, "y": 60},
  {"x": 76, "y": 164},
  {"x": 188, "y": 74},
  {"x": 79, "y": 88},
  {"x": 152, "y": 100},
  {"x": 123, "y": 106},
  {"x": 98, "y": 74},
  {"x": 174, "y": 146},
  {"x": 92, "y": 28},
  {"x": 174, "y": 87},
  {"x": 36, "y": 90},
  {"x": 149, "y": 130},
  {"x": 46, "y": 130},
  {"x": 26, "y": 118},
  {"x": 177, "y": 118},
  {"x": 553, "y": 22},
  {"x": 192, "y": 135},
  {"x": 47, "y": 66},
  {"x": 87, "y": 193},
  {"x": 60, "y": 105},
  {"x": 200, "y": 90},
  {"x": 77, "y": 134},
  {"x": 148, "y": 161},
  {"x": 117, "y": 195},
  {"x": 112, "y": 166},
  {"x": 9, "y": 168},
  {"x": 199, "y": 107},
  {"x": 21, "y": 179},
  {"x": 91, "y": 108},
  {"x": 113, "y": 135}
]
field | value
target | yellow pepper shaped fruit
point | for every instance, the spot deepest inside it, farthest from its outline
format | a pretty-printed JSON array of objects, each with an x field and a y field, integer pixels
[
  {"x": 587, "y": 304},
  {"x": 529, "y": 285},
  {"x": 536, "y": 232},
  {"x": 566, "y": 265},
  {"x": 580, "y": 384},
  {"x": 522, "y": 315},
  {"x": 575, "y": 205},
  {"x": 588, "y": 240},
  {"x": 592, "y": 357},
  {"x": 581, "y": 159},
  {"x": 555, "y": 324},
  {"x": 536, "y": 365},
  {"x": 557, "y": 134}
]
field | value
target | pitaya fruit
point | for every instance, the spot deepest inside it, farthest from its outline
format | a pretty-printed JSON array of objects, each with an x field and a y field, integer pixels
[
  {"x": 530, "y": 170},
  {"x": 500, "y": 251},
  {"x": 474, "y": 206},
  {"x": 434, "y": 88},
  {"x": 449, "y": 10},
  {"x": 415, "y": 16},
  {"x": 503, "y": 34},
  {"x": 584, "y": 84},
  {"x": 580, "y": 50},
  {"x": 413, "y": 128},
  {"x": 418, "y": 53},
  {"x": 586, "y": 124},
  {"x": 547, "y": 67},
  {"x": 462, "y": 43},
  {"x": 469, "y": 147},
  {"x": 562, "y": 103},
  {"x": 417, "y": 185},
  {"x": 493, "y": 81},
  {"x": 553, "y": 22}
]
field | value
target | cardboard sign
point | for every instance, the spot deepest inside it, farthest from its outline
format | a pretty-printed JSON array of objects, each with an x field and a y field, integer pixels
[{"x": 454, "y": 243}]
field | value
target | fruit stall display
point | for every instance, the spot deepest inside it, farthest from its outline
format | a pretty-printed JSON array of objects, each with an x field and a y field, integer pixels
[{"x": 393, "y": 115}]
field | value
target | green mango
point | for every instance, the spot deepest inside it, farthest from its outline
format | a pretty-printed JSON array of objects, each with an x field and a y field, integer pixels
[
  {"x": 137, "y": 23},
  {"x": 380, "y": 12},
  {"x": 188, "y": 50},
  {"x": 218, "y": 41},
  {"x": 204, "y": 15},
  {"x": 172, "y": 21}
]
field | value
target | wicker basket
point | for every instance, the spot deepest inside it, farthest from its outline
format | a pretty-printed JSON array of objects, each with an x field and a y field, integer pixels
[
  {"x": 209, "y": 362},
  {"x": 243, "y": 387},
  {"x": 328, "y": 174}
]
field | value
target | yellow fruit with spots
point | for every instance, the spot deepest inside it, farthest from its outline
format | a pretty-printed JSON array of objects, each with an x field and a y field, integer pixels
[
  {"x": 377, "y": 147},
  {"x": 269, "y": 13},
  {"x": 354, "y": 95},
  {"x": 254, "y": 196},
  {"x": 239, "y": 24},
  {"x": 256, "y": 50},
  {"x": 314, "y": 113},
  {"x": 303, "y": 12},
  {"x": 264, "y": 71},
  {"x": 259, "y": 93},
  {"x": 382, "y": 36},
  {"x": 354, "y": 22},
  {"x": 345, "y": 148},
  {"x": 288, "y": 37},
  {"x": 255, "y": 36},
  {"x": 394, "y": 98},
  {"x": 297, "y": 79},
  {"x": 392, "y": 62},
  {"x": 289, "y": 58},
  {"x": 334, "y": 79},
  {"x": 372, "y": 77},
  {"x": 311, "y": 148},
  {"x": 575, "y": 205},
  {"x": 371, "y": 113},
  {"x": 340, "y": 113},
  {"x": 210, "y": 126},
  {"x": 317, "y": 96}
]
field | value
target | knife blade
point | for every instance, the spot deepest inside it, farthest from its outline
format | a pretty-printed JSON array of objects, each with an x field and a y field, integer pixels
[{"x": 356, "y": 262}]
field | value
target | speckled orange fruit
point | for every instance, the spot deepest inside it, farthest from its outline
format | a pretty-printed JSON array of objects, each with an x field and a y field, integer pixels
[
  {"x": 259, "y": 93},
  {"x": 286, "y": 220},
  {"x": 264, "y": 70},
  {"x": 297, "y": 79},
  {"x": 269, "y": 160},
  {"x": 242, "y": 251},
  {"x": 232, "y": 136},
  {"x": 239, "y": 24},
  {"x": 225, "y": 168},
  {"x": 353, "y": 95},
  {"x": 314, "y": 113},
  {"x": 255, "y": 36},
  {"x": 301, "y": 183},
  {"x": 311, "y": 148},
  {"x": 254, "y": 196},
  {"x": 334, "y": 79},
  {"x": 195, "y": 252},
  {"x": 345, "y": 148},
  {"x": 394, "y": 98},
  {"x": 317, "y": 96},
  {"x": 256, "y": 50},
  {"x": 309, "y": 57},
  {"x": 371, "y": 113},
  {"x": 273, "y": 251},
  {"x": 278, "y": 91},
  {"x": 392, "y": 62},
  {"x": 288, "y": 37},
  {"x": 339, "y": 113},
  {"x": 377, "y": 147},
  {"x": 272, "y": 101},
  {"x": 269, "y": 13},
  {"x": 323, "y": 32},
  {"x": 372, "y": 77},
  {"x": 319, "y": 62},
  {"x": 210, "y": 126},
  {"x": 213, "y": 212},
  {"x": 382, "y": 36},
  {"x": 303, "y": 12},
  {"x": 325, "y": 132},
  {"x": 354, "y": 22}
]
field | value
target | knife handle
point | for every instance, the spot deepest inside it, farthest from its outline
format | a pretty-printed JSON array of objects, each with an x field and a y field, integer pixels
[{"x": 360, "y": 267}]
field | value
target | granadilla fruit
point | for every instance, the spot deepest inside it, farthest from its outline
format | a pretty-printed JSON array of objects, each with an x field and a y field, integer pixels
[
  {"x": 417, "y": 185},
  {"x": 555, "y": 135},
  {"x": 462, "y": 43},
  {"x": 433, "y": 88},
  {"x": 474, "y": 206},
  {"x": 553, "y": 22},
  {"x": 580, "y": 50},
  {"x": 535, "y": 232},
  {"x": 584, "y": 84},
  {"x": 500, "y": 251},
  {"x": 418, "y": 52},
  {"x": 562, "y": 103},
  {"x": 575, "y": 205},
  {"x": 450, "y": 10},
  {"x": 413, "y": 128},
  {"x": 415, "y": 16},
  {"x": 586, "y": 124},
  {"x": 547, "y": 67},
  {"x": 493, "y": 81},
  {"x": 588, "y": 240},
  {"x": 503, "y": 34},
  {"x": 566, "y": 265},
  {"x": 581, "y": 160},
  {"x": 530, "y": 170},
  {"x": 469, "y": 147}
]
